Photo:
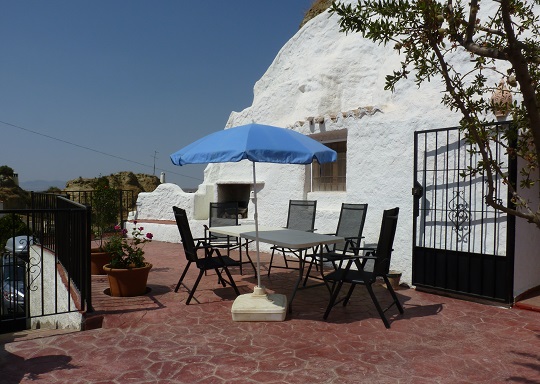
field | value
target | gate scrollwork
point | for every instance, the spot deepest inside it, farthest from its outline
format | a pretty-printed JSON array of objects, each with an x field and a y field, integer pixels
[{"x": 458, "y": 213}]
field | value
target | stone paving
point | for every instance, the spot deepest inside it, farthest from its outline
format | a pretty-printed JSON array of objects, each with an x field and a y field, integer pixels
[{"x": 156, "y": 338}]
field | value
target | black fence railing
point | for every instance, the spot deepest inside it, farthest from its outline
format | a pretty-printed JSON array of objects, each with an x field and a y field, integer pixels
[
  {"x": 72, "y": 238},
  {"x": 126, "y": 201},
  {"x": 43, "y": 217},
  {"x": 47, "y": 247}
]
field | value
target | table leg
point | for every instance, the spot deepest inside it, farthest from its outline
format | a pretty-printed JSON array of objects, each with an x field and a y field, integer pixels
[
  {"x": 240, "y": 252},
  {"x": 301, "y": 265},
  {"x": 249, "y": 257}
]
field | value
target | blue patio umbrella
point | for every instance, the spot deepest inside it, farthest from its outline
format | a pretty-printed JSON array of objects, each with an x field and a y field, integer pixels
[{"x": 260, "y": 144}]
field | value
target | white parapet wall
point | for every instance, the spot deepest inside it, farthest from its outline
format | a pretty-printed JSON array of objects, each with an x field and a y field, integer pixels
[
  {"x": 48, "y": 293},
  {"x": 157, "y": 205},
  {"x": 154, "y": 210}
]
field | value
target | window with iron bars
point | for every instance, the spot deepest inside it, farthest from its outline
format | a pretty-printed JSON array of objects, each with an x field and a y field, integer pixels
[{"x": 331, "y": 176}]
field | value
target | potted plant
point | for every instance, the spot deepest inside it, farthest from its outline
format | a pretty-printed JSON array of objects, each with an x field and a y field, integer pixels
[
  {"x": 104, "y": 217},
  {"x": 128, "y": 270}
]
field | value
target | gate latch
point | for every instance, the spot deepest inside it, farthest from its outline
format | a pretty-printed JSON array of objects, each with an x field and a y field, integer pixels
[{"x": 417, "y": 190}]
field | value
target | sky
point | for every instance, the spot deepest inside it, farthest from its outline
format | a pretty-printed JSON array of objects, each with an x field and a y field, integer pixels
[{"x": 90, "y": 88}]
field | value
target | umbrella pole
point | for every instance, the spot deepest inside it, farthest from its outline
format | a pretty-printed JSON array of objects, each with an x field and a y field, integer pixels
[
  {"x": 256, "y": 217},
  {"x": 259, "y": 306}
]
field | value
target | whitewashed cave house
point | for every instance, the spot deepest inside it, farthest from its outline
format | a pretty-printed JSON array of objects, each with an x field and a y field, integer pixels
[{"x": 330, "y": 86}]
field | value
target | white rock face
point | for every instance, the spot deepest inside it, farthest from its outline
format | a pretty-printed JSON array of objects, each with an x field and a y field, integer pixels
[{"x": 323, "y": 73}]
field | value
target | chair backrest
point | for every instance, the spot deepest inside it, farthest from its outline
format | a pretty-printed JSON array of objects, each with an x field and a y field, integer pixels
[
  {"x": 351, "y": 223},
  {"x": 223, "y": 214},
  {"x": 185, "y": 233},
  {"x": 386, "y": 241},
  {"x": 302, "y": 215}
]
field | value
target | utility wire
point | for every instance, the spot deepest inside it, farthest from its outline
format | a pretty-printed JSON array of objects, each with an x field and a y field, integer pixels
[{"x": 97, "y": 151}]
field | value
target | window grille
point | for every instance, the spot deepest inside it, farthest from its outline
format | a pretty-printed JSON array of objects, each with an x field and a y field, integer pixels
[{"x": 331, "y": 176}]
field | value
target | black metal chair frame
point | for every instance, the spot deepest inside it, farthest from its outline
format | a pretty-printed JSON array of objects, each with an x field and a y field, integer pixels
[
  {"x": 351, "y": 234},
  {"x": 229, "y": 243},
  {"x": 381, "y": 256},
  {"x": 293, "y": 222},
  {"x": 192, "y": 246}
]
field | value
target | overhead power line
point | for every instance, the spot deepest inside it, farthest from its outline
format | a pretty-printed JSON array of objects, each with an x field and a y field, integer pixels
[{"x": 97, "y": 151}]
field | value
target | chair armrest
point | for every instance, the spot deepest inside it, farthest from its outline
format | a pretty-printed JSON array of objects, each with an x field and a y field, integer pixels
[
  {"x": 351, "y": 244},
  {"x": 201, "y": 242},
  {"x": 369, "y": 249},
  {"x": 341, "y": 257}
]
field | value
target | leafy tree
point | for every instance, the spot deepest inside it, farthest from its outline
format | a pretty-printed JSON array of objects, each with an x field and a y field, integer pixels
[
  {"x": 105, "y": 206},
  {"x": 6, "y": 171},
  {"x": 429, "y": 35}
]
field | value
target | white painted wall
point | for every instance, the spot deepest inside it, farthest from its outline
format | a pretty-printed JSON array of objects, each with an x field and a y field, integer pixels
[
  {"x": 527, "y": 251},
  {"x": 47, "y": 290}
]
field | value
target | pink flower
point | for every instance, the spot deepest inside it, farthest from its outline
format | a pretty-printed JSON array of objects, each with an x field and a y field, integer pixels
[
  {"x": 149, "y": 235},
  {"x": 116, "y": 227},
  {"x": 141, "y": 228},
  {"x": 124, "y": 231},
  {"x": 134, "y": 222}
]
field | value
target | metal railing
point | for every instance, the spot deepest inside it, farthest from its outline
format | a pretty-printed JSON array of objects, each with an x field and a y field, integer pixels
[
  {"x": 126, "y": 201},
  {"x": 60, "y": 231}
]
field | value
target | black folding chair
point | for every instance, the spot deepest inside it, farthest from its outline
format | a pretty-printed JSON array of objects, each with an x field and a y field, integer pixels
[
  {"x": 208, "y": 262},
  {"x": 350, "y": 226},
  {"x": 364, "y": 269},
  {"x": 221, "y": 215},
  {"x": 301, "y": 216}
]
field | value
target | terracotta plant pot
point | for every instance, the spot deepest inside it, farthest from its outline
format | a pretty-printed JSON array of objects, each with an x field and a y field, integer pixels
[
  {"x": 127, "y": 282},
  {"x": 394, "y": 277},
  {"x": 98, "y": 260}
]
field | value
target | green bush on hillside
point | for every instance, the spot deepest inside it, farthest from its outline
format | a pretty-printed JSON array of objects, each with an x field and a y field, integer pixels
[{"x": 12, "y": 225}]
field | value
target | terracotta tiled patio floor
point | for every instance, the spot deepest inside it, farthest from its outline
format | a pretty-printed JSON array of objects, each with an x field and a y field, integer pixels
[{"x": 158, "y": 339}]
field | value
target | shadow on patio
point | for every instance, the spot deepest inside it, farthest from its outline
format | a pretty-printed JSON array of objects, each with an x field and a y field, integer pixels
[{"x": 157, "y": 338}]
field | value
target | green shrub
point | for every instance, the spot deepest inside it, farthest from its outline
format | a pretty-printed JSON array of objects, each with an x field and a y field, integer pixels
[
  {"x": 12, "y": 225},
  {"x": 6, "y": 171},
  {"x": 105, "y": 201}
]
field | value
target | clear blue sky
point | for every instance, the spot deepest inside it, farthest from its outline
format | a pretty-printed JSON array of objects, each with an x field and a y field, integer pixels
[{"x": 128, "y": 78}]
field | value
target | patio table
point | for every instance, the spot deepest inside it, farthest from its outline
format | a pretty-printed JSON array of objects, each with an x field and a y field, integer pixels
[{"x": 282, "y": 237}]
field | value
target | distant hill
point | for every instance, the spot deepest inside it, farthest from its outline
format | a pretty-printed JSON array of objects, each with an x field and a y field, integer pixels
[
  {"x": 16, "y": 196},
  {"x": 41, "y": 185},
  {"x": 11, "y": 195},
  {"x": 137, "y": 183}
]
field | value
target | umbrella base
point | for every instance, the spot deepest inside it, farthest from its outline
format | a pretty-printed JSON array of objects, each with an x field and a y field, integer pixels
[{"x": 259, "y": 306}]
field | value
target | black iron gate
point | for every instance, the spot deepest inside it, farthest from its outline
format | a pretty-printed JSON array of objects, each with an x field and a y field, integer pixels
[{"x": 460, "y": 245}]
